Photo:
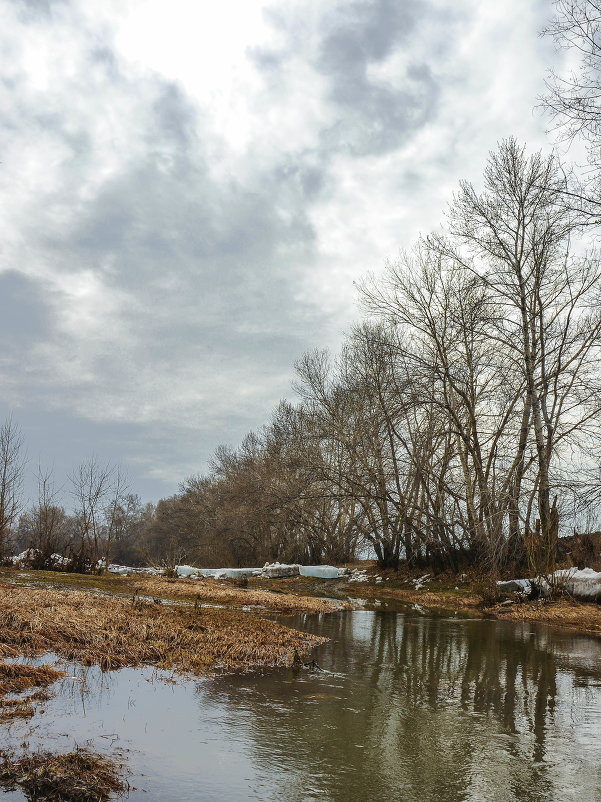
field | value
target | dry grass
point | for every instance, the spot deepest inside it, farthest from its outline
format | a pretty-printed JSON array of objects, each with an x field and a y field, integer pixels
[
  {"x": 16, "y": 678},
  {"x": 115, "y": 632},
  {"x": 210, "y": 591},
  {"x": 112, "y": 625},
  {"x": 583, "y": 616},
  {"x": 79, "y": 776},
  {"x": 464, "y": 599},
  {"x": 196, "y": 591},
  {"x": 19, "y": 679}
]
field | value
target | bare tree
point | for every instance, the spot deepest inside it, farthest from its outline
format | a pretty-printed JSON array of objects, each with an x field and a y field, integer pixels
[
  {"x": 45, "y": 527},
  {"x": 463, "y": 401},
  {"x": 515, "y": 238},
  {"x": 574, "y": 99},
  {"x": 98, "y": 491},
  {"x": 12, "y": 464},
  {"x": 499, "y": 329}
]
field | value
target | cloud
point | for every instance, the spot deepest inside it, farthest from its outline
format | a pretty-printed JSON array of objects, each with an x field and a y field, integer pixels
[{"x": 186, "y": 205}]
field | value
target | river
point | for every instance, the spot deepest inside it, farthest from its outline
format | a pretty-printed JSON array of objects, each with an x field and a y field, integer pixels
[{"x": 402, "y": 706}]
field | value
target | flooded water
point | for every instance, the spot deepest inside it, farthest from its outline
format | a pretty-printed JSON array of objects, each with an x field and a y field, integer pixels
[{"x": 407, "y": 707}]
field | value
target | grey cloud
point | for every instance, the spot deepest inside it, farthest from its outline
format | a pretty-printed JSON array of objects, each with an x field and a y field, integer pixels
[
  {"x": 366, "y": 31},
  {"x": 205, "y": 272},
  {"x": 221, "y": 243},
  {"x": 152, "y": 220},
  {"x": 26, "y": 316},
  {"x": 175, "y": 116},
  {"x": 38, "y": 8},
  {"x": 372, "y": 117}
]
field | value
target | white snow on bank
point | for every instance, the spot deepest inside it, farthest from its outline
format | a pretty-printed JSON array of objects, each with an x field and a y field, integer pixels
[
  {"x": 515, "y": 586},
  {"x": 419, "y": 583},
  {"x": 269, "y": 571},
  {"x": 358, "y": 575},
  {"x": 320, "y": 571},
  {"x": 582, "y": 584},
  {"x": 124, "y": 570}
]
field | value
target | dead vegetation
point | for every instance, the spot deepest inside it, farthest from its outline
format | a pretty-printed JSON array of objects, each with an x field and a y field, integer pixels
[
  {"x": 79, "y": 776},
  {"x": 29, "y": 682},
  {"x": 16, "y": 677},
  {"x": 114, "y": 632},
  {"x": 563, "y": 612},
  {"x": 230, "y": 595},
  {"x": 195, "y": 591},
  {"x": 464, "y": 599}
]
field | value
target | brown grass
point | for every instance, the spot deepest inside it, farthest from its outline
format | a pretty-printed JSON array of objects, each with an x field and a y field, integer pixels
[
  {"x": 16, "y": 678},
  {"x": 443, "y": 599},
  {"x": 114, "y": 632},
  {"x": 79, "y": 776},
  {"x": 196, "y": 591},
  {"x": 567, "y": 613},
  {"x": 210, "y": 591}
]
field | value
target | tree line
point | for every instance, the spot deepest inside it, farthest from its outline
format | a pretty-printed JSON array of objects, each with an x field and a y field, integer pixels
[
  {"x": 458, "y": 420},
  {"x": 106, "y": 521}
]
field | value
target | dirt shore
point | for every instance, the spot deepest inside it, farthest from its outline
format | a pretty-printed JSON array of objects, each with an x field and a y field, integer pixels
[{"x": 470, "y": 595}]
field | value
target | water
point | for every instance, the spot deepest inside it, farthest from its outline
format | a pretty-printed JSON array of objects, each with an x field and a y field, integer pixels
[{"x": 406, "y": 707}]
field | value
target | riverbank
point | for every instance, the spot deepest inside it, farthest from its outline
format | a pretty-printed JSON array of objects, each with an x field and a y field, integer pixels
[
  {"x": 469, "y": 594},
  {"x": 196, "y": 627}
]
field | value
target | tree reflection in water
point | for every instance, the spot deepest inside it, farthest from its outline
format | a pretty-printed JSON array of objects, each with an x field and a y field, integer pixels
[{"x": 421, "y": 708}]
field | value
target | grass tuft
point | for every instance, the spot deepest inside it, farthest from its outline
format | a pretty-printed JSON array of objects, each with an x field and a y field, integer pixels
[{"x": 79, "y": 776}]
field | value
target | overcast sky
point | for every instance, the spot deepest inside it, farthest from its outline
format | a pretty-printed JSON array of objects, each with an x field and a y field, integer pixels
[{"x": 189, "y": 191}]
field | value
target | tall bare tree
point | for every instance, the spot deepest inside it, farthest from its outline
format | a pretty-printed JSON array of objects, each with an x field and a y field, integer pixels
[
  {"x": 12, "y": 464},
  {"x": 516, "y": 240}
]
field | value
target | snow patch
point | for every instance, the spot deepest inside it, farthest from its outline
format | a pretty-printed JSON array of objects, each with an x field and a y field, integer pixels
[
  {"x": 358, "y": 575},
  {"x": 320, "y": 571},
  {"x": 582, "y": 584}
]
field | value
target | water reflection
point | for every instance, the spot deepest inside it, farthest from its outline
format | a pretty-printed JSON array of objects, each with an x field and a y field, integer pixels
[
  {"x": 422, "y": 708},
  {"x": 406, "y": 708}
]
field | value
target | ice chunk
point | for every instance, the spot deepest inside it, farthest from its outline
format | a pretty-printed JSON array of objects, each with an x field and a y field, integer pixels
[
  {"x": 279, "y": 571},
  {"x": 515, "y": 586},
  {"x": 321, "y": 571},
  {"x": 228, "y": 573},
  {"x": 186, "y": 570},
  {"x": 122, "y": 570},
  {"x": 583, "y": 584}
]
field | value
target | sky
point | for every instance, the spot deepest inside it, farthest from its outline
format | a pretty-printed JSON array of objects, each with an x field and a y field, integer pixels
[{"x": 188, "y": 192}]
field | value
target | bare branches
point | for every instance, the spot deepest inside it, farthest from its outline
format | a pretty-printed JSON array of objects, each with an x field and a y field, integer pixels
[
  {"x": 573, "y": 100},
  {"x": 98, "y": 491},
  {"x": 12, "y": 464}
]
